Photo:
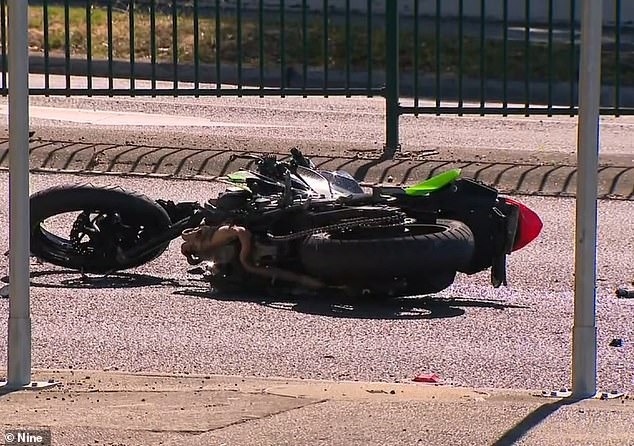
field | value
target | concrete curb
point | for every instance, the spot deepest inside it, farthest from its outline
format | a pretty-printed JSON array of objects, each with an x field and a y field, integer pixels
[{"x": 546, "y": 176}]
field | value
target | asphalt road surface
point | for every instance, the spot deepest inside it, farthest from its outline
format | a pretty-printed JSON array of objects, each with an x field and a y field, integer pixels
[{"x": 160, "y": 318}]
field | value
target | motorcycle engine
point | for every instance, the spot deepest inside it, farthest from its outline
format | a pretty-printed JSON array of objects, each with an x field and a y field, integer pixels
[{"x": 233, "y": 199}]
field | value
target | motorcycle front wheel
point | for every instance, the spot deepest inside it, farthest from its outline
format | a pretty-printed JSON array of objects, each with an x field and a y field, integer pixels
[{"x": 82, "y": 227}]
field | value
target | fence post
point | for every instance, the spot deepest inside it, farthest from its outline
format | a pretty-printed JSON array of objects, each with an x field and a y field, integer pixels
[
  {"x": 584, "y": 330},
  {"x": 391, "y": 78},
  {"x": 19, "y": 332}
]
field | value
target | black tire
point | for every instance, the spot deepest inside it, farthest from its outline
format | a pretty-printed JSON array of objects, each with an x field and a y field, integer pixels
[
  {"x": 144, "y": 218},
  {"x": 421, "y": 249}
]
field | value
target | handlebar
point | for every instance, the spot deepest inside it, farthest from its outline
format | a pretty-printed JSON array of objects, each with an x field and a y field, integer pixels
[
  {"x": 269, "y": 165},
  {"x": 247, "y": 156}
]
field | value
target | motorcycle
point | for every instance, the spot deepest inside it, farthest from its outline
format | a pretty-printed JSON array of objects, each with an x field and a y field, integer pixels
[{"x": 381, "y": 240}]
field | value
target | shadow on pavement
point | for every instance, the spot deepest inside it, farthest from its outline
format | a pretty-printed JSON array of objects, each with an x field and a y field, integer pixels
[
  {"x": 423, "y": 307},
  {"x": 331, "y": 305},
  {"x": 6, "y": 391},
  {"x": 532, "y": 420},
  {"x": 51, "y": 279}
]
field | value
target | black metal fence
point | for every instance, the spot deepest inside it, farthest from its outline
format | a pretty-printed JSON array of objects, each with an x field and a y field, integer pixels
[{"x": 424, "y": 56}]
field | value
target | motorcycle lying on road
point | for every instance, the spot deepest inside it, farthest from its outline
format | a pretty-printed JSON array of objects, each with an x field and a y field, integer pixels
[{"x": 382, "y": 240}]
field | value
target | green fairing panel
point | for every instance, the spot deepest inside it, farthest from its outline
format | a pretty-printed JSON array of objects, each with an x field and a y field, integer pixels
[
  {"x": 240, "y": 176},
  {"x": 434, "y": 183}
]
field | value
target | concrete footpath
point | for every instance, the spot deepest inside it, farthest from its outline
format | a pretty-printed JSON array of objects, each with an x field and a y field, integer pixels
[{"x": 114, "y": 408}]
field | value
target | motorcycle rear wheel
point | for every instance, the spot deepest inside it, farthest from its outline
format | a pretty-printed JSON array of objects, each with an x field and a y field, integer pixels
[
  {"x": 420, "y": 250},
  {"x": 109, "y": 218}
]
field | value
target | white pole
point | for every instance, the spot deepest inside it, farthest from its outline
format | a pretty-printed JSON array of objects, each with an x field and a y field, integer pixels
[
  {"x": 584, "y": 342},
  {"x": 19, "y": 347}
]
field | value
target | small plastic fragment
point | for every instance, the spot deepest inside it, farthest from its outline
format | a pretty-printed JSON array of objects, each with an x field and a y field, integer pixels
[
  {"x": 616, "y": 342},
  {"x": 624, "y": 292},
  {"x": 428, "y": 378}
]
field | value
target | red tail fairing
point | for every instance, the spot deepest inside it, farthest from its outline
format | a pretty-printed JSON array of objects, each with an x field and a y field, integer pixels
[{"x": 528, "y": 227}]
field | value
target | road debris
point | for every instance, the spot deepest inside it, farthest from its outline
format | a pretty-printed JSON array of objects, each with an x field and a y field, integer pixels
[
  {"x": 378, "y": 391},
  {"x": 616, "y": 342},
  {"x": 431, "y": 378},
  {"x": 624, "y": 292}
]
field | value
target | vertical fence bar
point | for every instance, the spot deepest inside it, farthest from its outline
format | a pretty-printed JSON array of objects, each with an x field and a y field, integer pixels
[
  {"x": 617, "y": 58},
  {"x": 460, "y": 56},
  {"x": 438, "y": 49},
  {"x": 505, "y": 55},
  {"x": 3, "y": 37},
  {"x": 47, "y": 75},
  {"x": 239, "y": 52},
  {"x": 325, "y": 48},
  {"x": 392, "y": 89},
  {"x": 67, "y": 43},
  {"x": 175, "y": 45},
  {"x": 482, "y": 56},
  {"x": 527, "y": 56},
  {"x": 132, "y": 47},
  {"x": 283, "y": 73},
  {"x": 416, "y": 56},
  {"x": 261, "y": 45},
  {"x": 196, "y": 19},
  {"x": 89, "y": 45},
  {"x": 550, "y": 57},
  {"x": 573, "y": 64},
  {"x": 369, "y": 47},
  {"x": 218, "y": 54},
  {"x": 348, "y": 47},
  {"x": 153, "y": 44},
  {"x": 110, "y": 46}
]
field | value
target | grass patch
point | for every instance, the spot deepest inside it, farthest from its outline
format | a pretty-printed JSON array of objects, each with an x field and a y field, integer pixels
[{"x": 172, "y": 37}]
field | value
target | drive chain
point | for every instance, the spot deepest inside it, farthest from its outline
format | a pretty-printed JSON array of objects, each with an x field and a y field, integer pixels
[{"x": 387, "y": 221}]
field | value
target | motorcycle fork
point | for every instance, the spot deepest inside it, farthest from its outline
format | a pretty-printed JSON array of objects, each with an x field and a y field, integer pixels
[{"x": 504, "y": 239}]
